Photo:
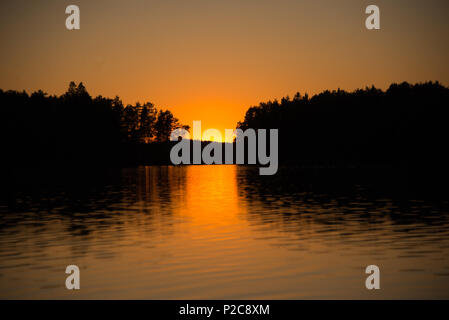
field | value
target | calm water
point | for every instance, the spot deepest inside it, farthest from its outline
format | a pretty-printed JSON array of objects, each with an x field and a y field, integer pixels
[{"x": 218, "y": 232}]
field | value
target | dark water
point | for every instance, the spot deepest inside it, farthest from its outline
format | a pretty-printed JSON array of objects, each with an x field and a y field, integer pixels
[{"x": 218, "y": 232}]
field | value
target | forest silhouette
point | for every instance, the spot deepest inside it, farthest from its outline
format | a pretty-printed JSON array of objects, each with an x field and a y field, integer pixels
[
  {"x": 403, "y": 128},
  {"x": 39, "y": 129}
]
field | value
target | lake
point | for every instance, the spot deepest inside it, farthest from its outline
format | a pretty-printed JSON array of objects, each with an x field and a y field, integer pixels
[{"x": 218, "y": 232}]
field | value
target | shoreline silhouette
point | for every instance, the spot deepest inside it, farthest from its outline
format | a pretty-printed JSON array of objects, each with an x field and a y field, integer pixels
[{"x": 402, "y": 128}]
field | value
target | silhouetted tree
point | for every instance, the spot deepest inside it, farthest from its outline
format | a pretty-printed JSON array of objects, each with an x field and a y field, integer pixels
[
  {"x": 403, "y": 127},
  {"x": 165, "y": 124},
  {"x": 77, "y": 128}
]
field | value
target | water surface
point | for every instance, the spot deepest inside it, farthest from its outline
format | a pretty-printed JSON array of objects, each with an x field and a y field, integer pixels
[{"x": 218, "y": 232}]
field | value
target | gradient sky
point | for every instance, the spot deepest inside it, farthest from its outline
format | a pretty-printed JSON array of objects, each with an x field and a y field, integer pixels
[{"x": 210, "y": 60}]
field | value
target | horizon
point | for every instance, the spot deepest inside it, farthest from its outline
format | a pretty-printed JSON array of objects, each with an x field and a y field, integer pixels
[
  {"x": 208, "y": 137},
  {"x": 212, "y": 61}
]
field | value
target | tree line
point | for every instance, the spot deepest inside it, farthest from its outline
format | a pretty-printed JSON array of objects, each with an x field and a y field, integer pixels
[
  {"x": 405, "y": 127},
  {"x": 39, "y": 128}
]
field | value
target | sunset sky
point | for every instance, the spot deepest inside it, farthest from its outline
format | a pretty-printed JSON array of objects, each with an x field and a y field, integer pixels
[{"x": 210, "y": 60}]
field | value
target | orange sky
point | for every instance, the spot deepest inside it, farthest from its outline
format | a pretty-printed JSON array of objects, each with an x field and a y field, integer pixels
[{"x": 210, "y": 60}]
